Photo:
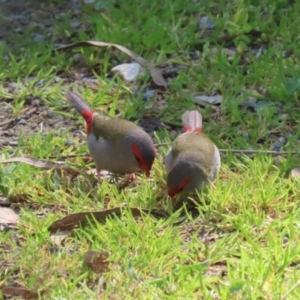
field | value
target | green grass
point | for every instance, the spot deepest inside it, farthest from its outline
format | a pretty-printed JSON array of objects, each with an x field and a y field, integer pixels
[{"x": 245, "y": 242}]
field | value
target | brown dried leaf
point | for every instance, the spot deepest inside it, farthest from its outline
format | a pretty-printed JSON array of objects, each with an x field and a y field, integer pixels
[
  {"x": 73, "y": 221},
  {"x": 155, "y": 73},
  {"x": 71, "y": 156},
  {"x": 204, "y": 100},
  {"x": 8, "y": 216},
  {"x": 10, "y": 291},
  {"x": 97, "y": 261},
  {"x": 41, "y": 163},
  {"x": 58, "y": 237},
  {"x": 6, "y": 122}
]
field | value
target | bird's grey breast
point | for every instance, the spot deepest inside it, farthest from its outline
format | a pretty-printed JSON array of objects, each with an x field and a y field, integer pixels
[{"x": 115, "y": 157}]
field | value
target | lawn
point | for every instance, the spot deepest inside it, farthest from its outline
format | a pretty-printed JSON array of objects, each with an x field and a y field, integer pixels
[{"x": 241, "y": 238}]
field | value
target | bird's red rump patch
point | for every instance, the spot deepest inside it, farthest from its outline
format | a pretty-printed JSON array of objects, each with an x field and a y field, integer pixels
[
  {"x": 179, "y": 188},
  {"x": 189, "y": 129},
  {"x": 140, "y": 159},
  {"x": 88, "y": 116}
]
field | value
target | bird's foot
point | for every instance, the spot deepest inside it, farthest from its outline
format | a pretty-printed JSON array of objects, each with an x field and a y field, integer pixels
[
  {"x": 126, "y": 180},
  {"x": 131, "y": 177}
]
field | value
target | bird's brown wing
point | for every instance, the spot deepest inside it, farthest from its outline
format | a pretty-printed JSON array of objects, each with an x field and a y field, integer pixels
[
  {"x": 198, "y": 143},
  {"x": 110, "y": 129}
]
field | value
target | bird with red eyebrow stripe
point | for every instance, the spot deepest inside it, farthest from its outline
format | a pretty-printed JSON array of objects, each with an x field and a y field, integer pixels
[
  {"x": 193, "y": 161},
  {"x": 116, "y": 145}
]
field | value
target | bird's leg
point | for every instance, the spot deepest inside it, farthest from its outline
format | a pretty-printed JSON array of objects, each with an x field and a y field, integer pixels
[{"x": 98, "y": 175}]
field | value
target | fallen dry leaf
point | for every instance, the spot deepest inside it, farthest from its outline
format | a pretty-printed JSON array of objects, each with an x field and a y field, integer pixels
[
  {"x": 155, "y": 73},
  {"x": 71, "y": 156},
  {"x": 8, "y": 216},
  {"x": 247, "y": 151},
  {"x": 129, "y": 72},
  {"x": 58, "y": 237},
  {"x": 291, "y": 290},
  {"x": 6, "y": 122},
  {"x": 97, "y": 261},
  {"x": 41, "y": 163},
  {"x": 73, "y": 221},
  {"x": 20, "y": 292},
  {"x": 203, "y": 99}
]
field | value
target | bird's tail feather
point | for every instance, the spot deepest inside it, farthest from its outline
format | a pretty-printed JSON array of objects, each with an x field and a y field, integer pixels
[
  {"x": 78, "y": 102},
  {"x": 192, "y": 121}
]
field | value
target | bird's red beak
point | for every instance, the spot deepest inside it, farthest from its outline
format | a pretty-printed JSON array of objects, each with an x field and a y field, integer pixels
[
  {"x": 172, "y": 193},
  {"x": 145, "y": 170},
  {"x": 142, "y": 163}
]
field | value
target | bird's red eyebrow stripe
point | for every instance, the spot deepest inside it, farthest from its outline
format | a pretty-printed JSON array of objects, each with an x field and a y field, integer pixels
[
  {"x": 184, "y": 182},
  {"x": 143, "y": 166},
  {"x": 136, "y": 150}
]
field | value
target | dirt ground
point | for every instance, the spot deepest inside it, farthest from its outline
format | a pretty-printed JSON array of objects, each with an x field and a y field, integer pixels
[
  {"x": 18, "y": 18},
  {"x": 36, "y": 18}
]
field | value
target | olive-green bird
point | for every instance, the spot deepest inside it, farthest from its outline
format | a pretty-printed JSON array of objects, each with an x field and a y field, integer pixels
[
  {"x": 193, "y": 161},
  {"x": 116, "y": 145}
]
